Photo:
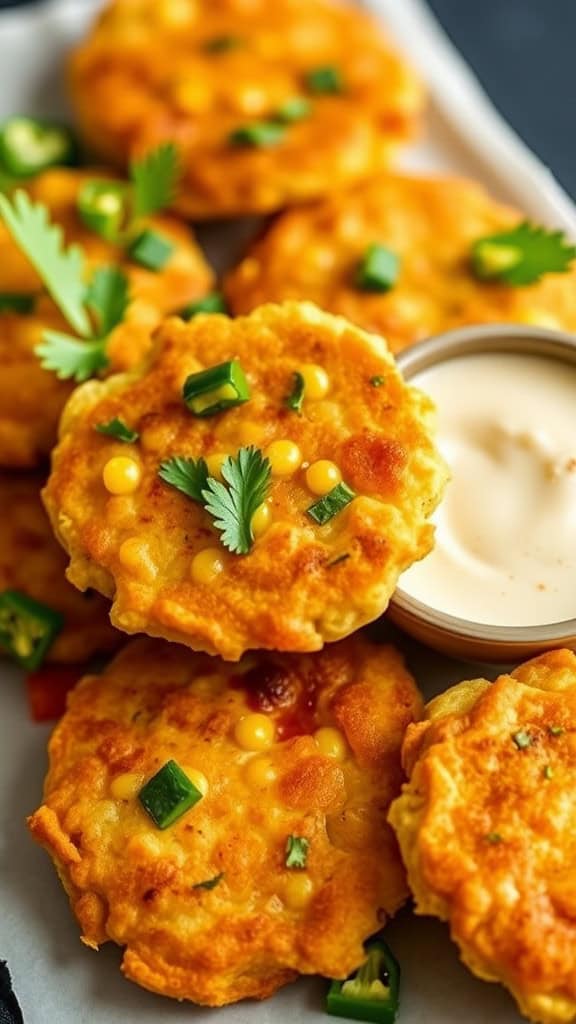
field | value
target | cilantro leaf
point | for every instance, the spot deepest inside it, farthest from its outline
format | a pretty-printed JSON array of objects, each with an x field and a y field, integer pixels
[
  {"x": 296, "y": 852},
  {"x": 295, "y": 399},
  {"x": 118, "y": 429},
  {"x": 71, "y": 359},
  {"x": 187, "y": 475},
  {"x": 107, "y": 297},
  {"x": 210, "y": 883},
  {"x": 154, "y": 180},
  {"x": 61, "y": 267},
  {"x": 232, "y": 507},
  {"x": 521, "y": 256}
]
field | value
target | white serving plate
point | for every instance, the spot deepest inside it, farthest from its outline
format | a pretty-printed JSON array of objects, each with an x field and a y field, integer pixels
[{"x": 57, "y": 980}]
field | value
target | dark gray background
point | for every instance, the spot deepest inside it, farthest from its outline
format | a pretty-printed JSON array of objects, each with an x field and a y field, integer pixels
[{"x": 524, "y": 51}]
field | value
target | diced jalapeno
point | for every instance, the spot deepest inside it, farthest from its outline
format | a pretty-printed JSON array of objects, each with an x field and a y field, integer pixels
[
  {"x": 29, "y": 145},
  {"x": 378, "y": 269},
  {"x": 27, "y": 628},
  {"x": 214, "y": 302},
  {"x": 217, "y": 389},
  {"x": 325, "y": 80},
  {"x": 260, "y": 135},
  {"x": 103, "y": 207},
  {"x": 151, "y": 250},
  {"x": 372, "y": 994},
  {"x": 14, "y": 302},
  {"x": 294, "y": 109},
  {"x": 168, "y": 795},
  {"x": 332, "y": 503}
]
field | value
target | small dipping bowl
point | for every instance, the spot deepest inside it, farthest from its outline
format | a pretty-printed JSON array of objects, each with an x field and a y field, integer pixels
[{"x": 460, "y": 637}]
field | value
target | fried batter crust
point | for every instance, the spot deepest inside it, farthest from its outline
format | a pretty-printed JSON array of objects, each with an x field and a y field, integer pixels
[
  {"x": 147, "y": 73},
  {"x": 486, "y": 829},
  {"x": 33, "y": 562},
  {"x": 313, "y": 252},
  {"x": 31, "y": 399},
  {"x": 135, "y": 885},
  {"x": 295, "y": 590}
]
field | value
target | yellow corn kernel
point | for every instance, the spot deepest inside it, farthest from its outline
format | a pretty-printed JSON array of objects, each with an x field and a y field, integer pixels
[
  {"x": 193, "y": 97},
  {"x": 260, "y": 772},
  {"x": 331, "y": 743},
  {"x": 297, "y": 890},
  {"x": 134, "y": 555},
  {"x": 207, "y": 565},
  {"x": 285, "y": 457},
  {"x": 250, "y": 433},
  {"x": 322, "y": 476},
  {"x": 215, "y": 463},
  {"x": 197, "y": 779},
  {"x": 538, "y": 318},
  {"x": 255, "y": 732},
  {"x": 126, "y": 786},
  {"x": 175, "y": 13},
  {"x": 261, "y": 520},
  {"x": 316, "y": 380},
  {"x": 121, "y": 475}
]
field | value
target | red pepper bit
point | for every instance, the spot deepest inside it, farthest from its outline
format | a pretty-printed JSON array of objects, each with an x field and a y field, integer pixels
[{"x": 47, "y": 690}]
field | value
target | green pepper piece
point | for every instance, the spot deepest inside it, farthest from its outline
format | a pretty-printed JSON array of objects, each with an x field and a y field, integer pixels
[
  {"x": 217, "y": 389},
  {"x": 27, "y": 628},
  {"x": 103, "y": 207},
  {"x": 214, "y": 302},
  {"x": 372, "y": 993},
  {"x": 323, "y": 510},
  {"x": 325, "y": 80},
  {"x": 151, "y": 250},
  {"x": 260, "y": 135},
  {"x": 378, "y": 269},
  {"x": 168, "y": 795},
  {"x": 29, "y": 145}
]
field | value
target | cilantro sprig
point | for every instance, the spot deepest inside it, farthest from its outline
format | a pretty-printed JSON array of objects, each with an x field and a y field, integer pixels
[
  {"x": 93, "y": 310},
  {"x": 119, "y": 430},
  {"x": 521, "y": 256},
  {"x": 154, "y": 180},
  {"x": 231, "y": 504},
  {"x": 297, "y": 852}
]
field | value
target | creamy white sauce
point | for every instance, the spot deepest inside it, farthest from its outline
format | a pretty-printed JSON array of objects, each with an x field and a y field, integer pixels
[{"x": 506, "y": 531}]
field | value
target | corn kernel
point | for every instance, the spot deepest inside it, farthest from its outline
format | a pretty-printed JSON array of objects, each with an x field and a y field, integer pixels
[
  {"x": 191, "y": 96},
  {"x": 134, "y": 555},
  {"x": 197, "y": 779},
  {"x": 331, "y": 743},
  {"x": 297, "y": 890},
  {"x": 538, "y": 318},
  {"x": 121, "y": 475},
  {"x": 285, "y": 457},
  {"x": 261, "y": 520},
  {"x": 215, "y": 463},
  {"x": 260, "y": 772},
  {"x": 255, "y": 732},
  {"x": 207, "y": 565},
  {"x": 316, "y": 380},
  {"x": 323, "y": 476},
  {"x": 126, "y": 786}
]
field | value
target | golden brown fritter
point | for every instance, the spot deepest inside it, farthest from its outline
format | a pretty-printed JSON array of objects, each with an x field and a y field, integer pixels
[
  {"x": 196, "y": 71},
  {"x": 328, "y": 776},
  {"x": 301, "y": 584},
  {"x": 31, "y": 399},
  {"x": 32, "y": 562},
  {"x": 430, "y": 223},
  {"x": 486, "y": 828}
]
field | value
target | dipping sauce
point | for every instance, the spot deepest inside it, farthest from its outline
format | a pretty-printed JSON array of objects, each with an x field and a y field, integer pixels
[{"x": 506, "y": 531}]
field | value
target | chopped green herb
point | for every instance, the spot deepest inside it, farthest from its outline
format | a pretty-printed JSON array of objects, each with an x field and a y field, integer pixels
[
  {"x": 103, "y": 206},
  {"x": 71, "y": 359},
  {"x": 338, "y": 561},
  {"x": 260, "y": 135},
  {"x": 296, "y": 397},
  {"x": 210, "y": 883},
  {"x": 151, "y": 250},
  {"x": 494, "y": 838},
  {"x": 521, "y": 256},
  {"x": 297, "y": 852},
  {"x": 27, "y": 628},
  {"x": 325, "y": 80},
  {"x": 222, "y": 44},
  {"x": 107, "y": 298},
  {"x": 14, "y": 302},
  {"x": 372, "y": 993},
  {"x": 548, "y": 772},
  {"x": 168, "y": 795},
  {"x": 332, "y": 503},
  {"x": 297, "y": 108},
  {"x": 522, "y": 739},
  {"x": 29, "y": 145},
  {"x": 214, "y": 302},
  {"x": 214, "y": 390},
  {"x": 556, "y": 730},
  {"x": 377, "y": 381},
  {"x": 378, "y": 269},
  {"x": 187, "y": 475},
  {"x": 154, "y": 179},
  {"x": 117, "y": 429},
  {"x": 232, "y": 507}
]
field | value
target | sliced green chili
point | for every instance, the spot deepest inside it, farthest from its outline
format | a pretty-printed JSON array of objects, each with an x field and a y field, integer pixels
[
  {"x": 378, "y": 269},
  {"x": 372, "y": 993},
  {"x": 332, "y": 503},
  {"x": 261, "y": 135},
  {"x": 27, "y": 628},
  {"x": 214, "y": 302},
  {"x": 103, "y": 207},
  {"x": 151, "y": 250},
  {"x": 29, "y": 145},
  {"x": 217, "y": 389}
]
